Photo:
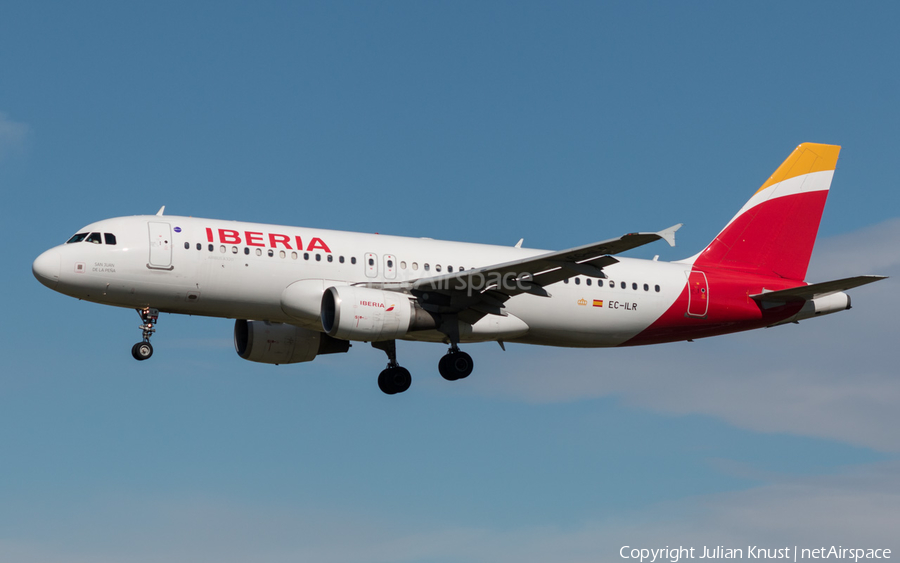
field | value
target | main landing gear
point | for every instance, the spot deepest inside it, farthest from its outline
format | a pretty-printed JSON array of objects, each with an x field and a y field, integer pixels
[
  {"x": 143, "y": 350},
  {"x": 455, "y": 364},
  {"x": 394, "y": 379}
]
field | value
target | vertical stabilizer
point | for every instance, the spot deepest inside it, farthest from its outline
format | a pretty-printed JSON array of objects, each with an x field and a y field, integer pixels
[{"x": 774, "y": 233}]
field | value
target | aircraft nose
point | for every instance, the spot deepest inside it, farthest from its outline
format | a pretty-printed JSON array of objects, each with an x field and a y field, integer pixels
[{"x": 46, "y": 268}]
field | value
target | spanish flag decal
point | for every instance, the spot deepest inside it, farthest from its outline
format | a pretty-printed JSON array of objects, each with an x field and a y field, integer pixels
[{"x": 598, "y": 302}]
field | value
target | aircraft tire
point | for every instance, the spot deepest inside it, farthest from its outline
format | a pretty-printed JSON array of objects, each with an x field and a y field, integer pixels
[
  {"x": 394, "y": 380},
  {"x": 445, "y": 369},
  {"x": 455, "y": 365},
  {"x": 141, "y": 351},
  {"x": 462, "y": 364}
]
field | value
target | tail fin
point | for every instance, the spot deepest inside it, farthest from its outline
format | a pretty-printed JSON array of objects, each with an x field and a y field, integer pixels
[{"x": 774, "y": 233}]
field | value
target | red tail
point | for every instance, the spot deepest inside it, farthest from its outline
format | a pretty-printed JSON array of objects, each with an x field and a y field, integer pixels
[{"x": 774, "y": 233}]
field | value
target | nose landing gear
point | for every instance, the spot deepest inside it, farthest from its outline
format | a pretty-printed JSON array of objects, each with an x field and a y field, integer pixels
[{"x": 143, "y": 350}]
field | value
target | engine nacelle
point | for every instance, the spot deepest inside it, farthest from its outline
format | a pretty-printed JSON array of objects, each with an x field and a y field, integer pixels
[
  {"x": 302, "y": 300},
  {"x": 360, "y": 313},
  {"x": 279, "y": 343}
]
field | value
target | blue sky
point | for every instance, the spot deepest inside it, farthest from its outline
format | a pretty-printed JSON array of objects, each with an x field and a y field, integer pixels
[{"x": 563, "y": 123}]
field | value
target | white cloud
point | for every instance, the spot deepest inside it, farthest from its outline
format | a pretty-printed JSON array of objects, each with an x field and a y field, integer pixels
[
  {"x": 13, "y": 136},
  {"x": 858, "y": 507},
  {"x": 872, "y": 250},
  {"x": 833, "y": 377}
]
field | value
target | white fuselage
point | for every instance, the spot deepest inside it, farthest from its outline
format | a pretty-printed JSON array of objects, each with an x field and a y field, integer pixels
[{"x": 240, "y": 270}]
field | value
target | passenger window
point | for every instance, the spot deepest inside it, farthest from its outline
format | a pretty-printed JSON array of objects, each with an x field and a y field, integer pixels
[
  {"x": 77, "y": 238},
  {"x": 622, "y": 285},
  {"x": 646, "y": 287},
  {"x": 247, "y": 250},
  {"x": 318, "y": 257},
  {"x": 599, "y": 283},
  {"x": 657, "y": 289},
  {"x": 426, "y": 267},
  {"x": 330, "y": 258},
  {"x": 403, "y": 264},
  {"x": 281, "y": 254},
  {"x": 634, "y": 286},
  {"x": 293, "y": 255},
  {"x": 437, "y": 268},
  {"x": 371, "y": 261},
  {"x": 306, "y": 255},
  {"x": 415, "y": 265},
  {"x": 94, "y": 238},
  {"x": 187, "y": 246},
  {"x": 587, "y": 281},
  {"x": 110, "y": 238},
  {"x": 390, "y": 263},
  {"x": 577, "y": 281},
  {"x": 271, "y": 253},
  {"x": 341, "y": 259},
  {"x": 210, "y": 248},
  {"x": 461, "y": 269},
  {"x": 199, "y": 246},
  {"x": 222, "y": 249},
  {"x": 612, "y": 284},
  {"x": 259, "y": 251},
  {"x": 566, "y": 280},
  {"x": 353, "y": 259},
  {"x": 234, "y": 250},
  {"x": 449, "y": 268}
]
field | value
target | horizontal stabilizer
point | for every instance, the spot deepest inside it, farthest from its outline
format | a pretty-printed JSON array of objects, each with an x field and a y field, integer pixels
[{"x": 815, "y": 290}]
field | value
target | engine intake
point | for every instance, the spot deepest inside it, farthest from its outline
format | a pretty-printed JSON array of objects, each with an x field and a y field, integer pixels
[{"x": 279, "y": 343}]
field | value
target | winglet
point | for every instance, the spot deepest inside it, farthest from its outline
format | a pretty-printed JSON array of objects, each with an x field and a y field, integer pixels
[
  {"x": 160, "y": 212},
  {"x": 519, "y": 244},
  {"x": 668, "y": 235}
]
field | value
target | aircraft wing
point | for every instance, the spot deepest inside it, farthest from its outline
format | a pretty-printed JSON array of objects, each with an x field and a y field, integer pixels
[
  {"x": 474, "y": 293},
  {"x": 812, "y": 291}
]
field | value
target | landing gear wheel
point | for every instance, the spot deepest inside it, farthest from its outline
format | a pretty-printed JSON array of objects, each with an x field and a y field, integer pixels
[
  {"x": 141, "y": 351},
  {"x": 394, "y": 380},
  {"x": 149, "y": 317},
  {"x": 455, "y": 365},
  {"x": 445, "y": 370}
]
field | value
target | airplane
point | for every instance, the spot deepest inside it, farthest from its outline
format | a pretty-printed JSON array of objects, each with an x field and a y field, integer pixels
[{"x": 296, "y": 293}]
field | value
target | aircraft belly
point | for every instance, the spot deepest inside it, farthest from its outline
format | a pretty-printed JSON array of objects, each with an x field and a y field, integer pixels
[
  {"x": 579, "y": 315},
  {"x": 584, "y": 323}
]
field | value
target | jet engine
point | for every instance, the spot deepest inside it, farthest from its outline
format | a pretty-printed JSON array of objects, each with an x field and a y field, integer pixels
[
  {"x": 360, "y": 313},
  {"x": 279, "y": 343}
]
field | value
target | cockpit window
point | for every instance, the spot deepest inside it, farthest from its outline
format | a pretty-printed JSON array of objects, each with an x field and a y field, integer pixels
[
  {"x": 109, "y": 238},
  {"x": 94, "y": 238},
  {"x": 77, "y": 238}
]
